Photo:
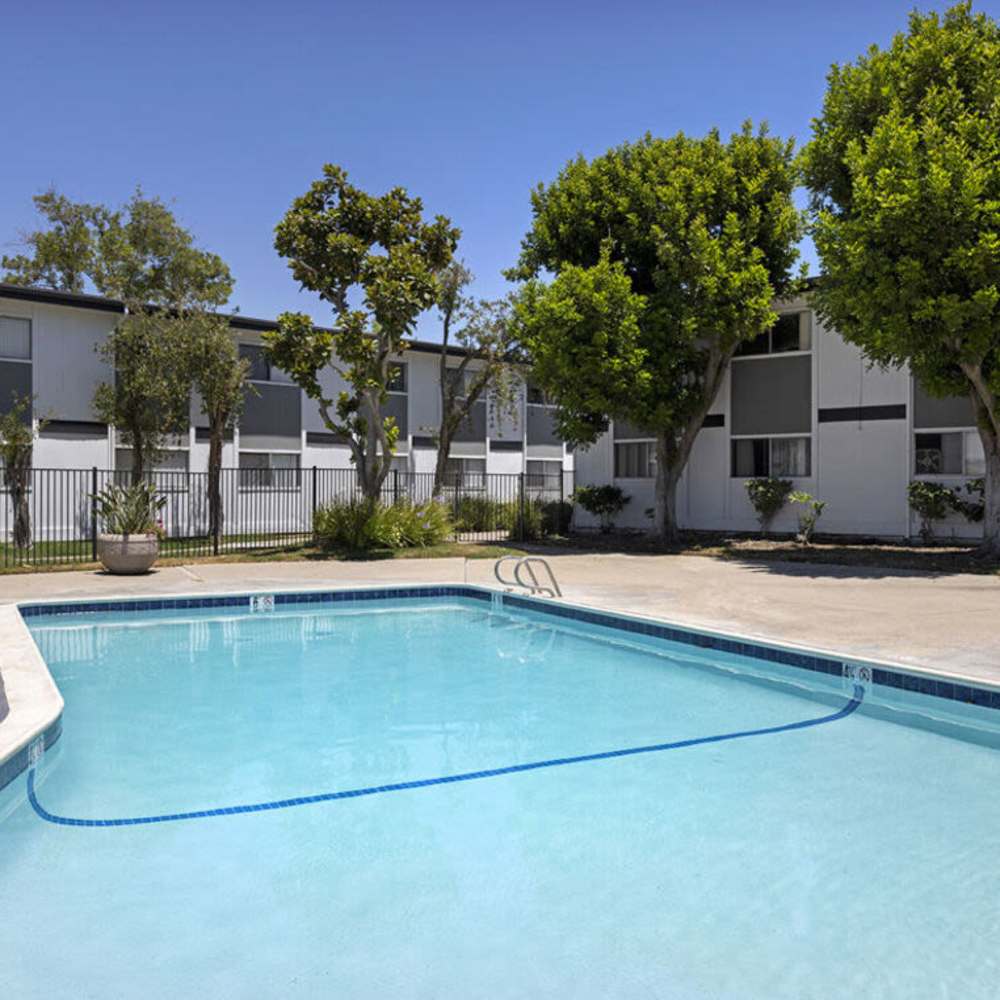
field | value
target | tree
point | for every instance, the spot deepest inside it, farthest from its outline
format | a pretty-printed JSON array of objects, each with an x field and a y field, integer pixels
[
  {"x": 667, "y": 254},
  {"x": 484, "y": 336},
  {"x": 62, "y": 256},
  {"x": 904, "y": 170},
  {"x": 142, "y": 256},
  {"x": 347, "y": 245},
  {"x": 17, "y": 438},
  {"x": 220, "y": 377}
]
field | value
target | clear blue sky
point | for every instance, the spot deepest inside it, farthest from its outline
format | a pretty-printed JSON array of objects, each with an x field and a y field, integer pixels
[{"x": 229, "y": 110}]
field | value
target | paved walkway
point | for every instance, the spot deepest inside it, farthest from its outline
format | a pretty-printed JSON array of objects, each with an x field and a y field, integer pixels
[{"x": 950, "y": 624}]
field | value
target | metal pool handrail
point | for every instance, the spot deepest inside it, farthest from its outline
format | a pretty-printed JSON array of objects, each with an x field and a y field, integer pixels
[{"x": 525, "y": 563}]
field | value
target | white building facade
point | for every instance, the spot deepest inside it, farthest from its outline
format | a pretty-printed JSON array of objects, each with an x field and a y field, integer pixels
[
  {"x": 800, "y": 403},
  {"x": 48, "y": 350}
]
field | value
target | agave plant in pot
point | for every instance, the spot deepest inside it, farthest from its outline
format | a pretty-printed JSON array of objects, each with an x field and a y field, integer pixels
[{"x": 130, "y": 542}]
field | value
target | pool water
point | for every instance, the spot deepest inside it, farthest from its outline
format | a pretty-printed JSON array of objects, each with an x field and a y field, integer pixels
[{"x": 850, "y": 857}]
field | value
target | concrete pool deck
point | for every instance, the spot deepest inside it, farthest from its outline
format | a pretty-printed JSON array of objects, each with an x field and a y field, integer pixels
[{"x": 947, "y": 624}]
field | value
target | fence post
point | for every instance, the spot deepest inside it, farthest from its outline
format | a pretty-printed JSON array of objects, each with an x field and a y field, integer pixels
[
  {"x": 312, "y": 519},
  {"x": 93, "y": 513},
  {"x": 520, "y": 508},
  {"x": 395, "y": 486}
]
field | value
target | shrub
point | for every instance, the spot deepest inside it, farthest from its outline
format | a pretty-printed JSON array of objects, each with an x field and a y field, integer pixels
[
  {"x": 480, "y": 513},
  {"x": 130, "y": 510},
  {"x": 556, "y": 517},
  {"x": 767, "y": 496},
  {"x": 603, "y": 502},
  {"x": 930, "y": 502},
  {"x": 973, "y": 508},
  {"x": 360, "y": 525},
  {"x": 808, "y": 517}
]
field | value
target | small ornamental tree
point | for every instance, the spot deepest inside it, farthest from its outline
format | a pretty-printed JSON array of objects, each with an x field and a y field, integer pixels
[
  {"x": 666, "y": 256},
  {"x": 904, "y": 168},
  {"x": 767, "y": 496},
  {"x": 603, "y": 502},
  {"x": 480, "y": 334},
  {"x": 930, "y": 502},
  {"x": 17, "y": 438},
  {"x": 220, "y": 377},
  {"x": 377, "y": 263}
]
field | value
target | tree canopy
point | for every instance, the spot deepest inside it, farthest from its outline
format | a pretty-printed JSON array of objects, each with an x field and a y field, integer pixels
[
  {"x": 666, "y": 255},
  {"x": 376, "y": 261},
  {"x": 904, "y": 169}
]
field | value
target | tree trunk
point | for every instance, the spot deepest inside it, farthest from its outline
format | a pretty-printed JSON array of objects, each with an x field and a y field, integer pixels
[
  {"x": 668, "y": 473},
  {"x": 18, "y": 482},
  {"x": 214, "y": 484},
  {"x": 991, "y": 493},
  {"x": 441, "y": 462}
]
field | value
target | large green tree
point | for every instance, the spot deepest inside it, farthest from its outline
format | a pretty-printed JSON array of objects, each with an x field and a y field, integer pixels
[
  {"x": 666, "y": 256},
  {"x": 377, "y": 263},
  {"x": 904, "y": 167},
  {"x": 142, "y": 256}
]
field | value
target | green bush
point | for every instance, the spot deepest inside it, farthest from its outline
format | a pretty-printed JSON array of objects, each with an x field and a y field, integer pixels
[
  {"x": 480, "y": 513},
  {"x": 130, "y": 510},
  {"x": 973, "y": 508},
  {"x": 360, "y": 525},
  {"x": 603, "y": 502},
  {"x": 556, "y": 516},
  {"x": 930, "y": 502},
  {"x": 808, "y": 517},
  {"x": 767, "y": 496}
]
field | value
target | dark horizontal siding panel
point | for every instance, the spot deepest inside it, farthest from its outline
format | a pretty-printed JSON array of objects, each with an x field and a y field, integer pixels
[
  {"x": 852, "y": 414},
  {"x": 324, "y": 438},
  {"x": 714, "y": 420},
  {"x": 204, "y": 434},
  {"x": 74, "y": 429},
  {"x": 422, "y": 441},
  {"x": 507, "y": 445}
]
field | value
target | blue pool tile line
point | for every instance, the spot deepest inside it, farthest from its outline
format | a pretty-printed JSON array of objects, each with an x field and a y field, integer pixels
[{"x": 449, "y": 779}]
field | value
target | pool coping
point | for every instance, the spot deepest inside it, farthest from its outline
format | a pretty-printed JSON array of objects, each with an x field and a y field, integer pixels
[{"x": 34, "y": 716}]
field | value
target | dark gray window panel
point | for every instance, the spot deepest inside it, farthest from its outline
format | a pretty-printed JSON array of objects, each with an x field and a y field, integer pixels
[
  {"x": 272, "y": 417},
  {"x": 952, "y": 411},
  {"x": 542, "y": 426},
  {"x": 260, "y": 366},
  {"x": 772, "y": 396},
  {"x": 506, "y": 444},
  {"x": 473, "y": 428},
  {"x": 714, "y": 420},
  {"x": 623, "y": 430},
  {"x": 395, "y": 406},
  {"x": 325, "y": 438},
  {"x": 15, "y": 380},
  {"x": 855, "y": 414},
  {"x": 422, "y": 441},
  {"x": 74, "y": 429},
  {"x": 204, "y": 434}
]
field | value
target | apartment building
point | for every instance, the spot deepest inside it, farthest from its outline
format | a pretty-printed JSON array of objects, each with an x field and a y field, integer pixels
[
  {"x": 48, "y": 342},
  {"x": 802, "y": 404}
]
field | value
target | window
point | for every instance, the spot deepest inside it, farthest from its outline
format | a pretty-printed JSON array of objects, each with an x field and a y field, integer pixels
[
  {"x": 460, "y": 381},
  {"x": 635, "y": 460},
  {"x": 261, "y": 369},
  {"x": 781, "y": 457},
  {"x": 537, "y": 397},
  {"x": 261, "y": 470},
  {"x": 541, "y": 475},
  {"x": 792, "y": 332},
  {"x": 168, "y": 474},
  {"x": 396, "y": 381},
  {"x": 15, "y": 339},
  {"x": 952, "y": 453},
  {"x": 465, "y": 473}
]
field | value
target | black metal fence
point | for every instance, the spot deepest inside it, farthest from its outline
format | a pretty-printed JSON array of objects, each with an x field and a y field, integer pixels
[{"x": 265, "y": 509}]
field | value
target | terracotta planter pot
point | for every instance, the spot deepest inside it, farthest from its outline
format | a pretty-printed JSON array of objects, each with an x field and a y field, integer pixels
[{"x": 128, "y": 555}]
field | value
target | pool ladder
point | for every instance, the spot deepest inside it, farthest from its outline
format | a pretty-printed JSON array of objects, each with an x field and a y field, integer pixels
[{"x": 527, "y": 564}]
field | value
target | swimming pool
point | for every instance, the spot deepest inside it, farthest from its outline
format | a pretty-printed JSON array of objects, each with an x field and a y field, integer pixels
[{"x": 427, "y": 793}]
